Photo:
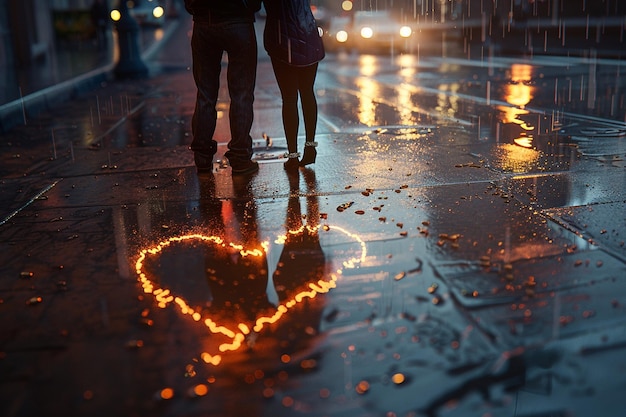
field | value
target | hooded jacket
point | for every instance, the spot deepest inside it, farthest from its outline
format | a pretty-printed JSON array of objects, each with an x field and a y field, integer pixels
[
  {"x": 291, "y": 34},
  {"x": 216, "y": 11}
]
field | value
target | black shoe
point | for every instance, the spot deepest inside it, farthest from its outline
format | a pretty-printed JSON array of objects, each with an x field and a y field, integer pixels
[
  {"x": 204, "y": 162},
  {"x": 246, "y": 168},
  {"x": 310, "y": 153},
  {"x": 291, "y": 164}
]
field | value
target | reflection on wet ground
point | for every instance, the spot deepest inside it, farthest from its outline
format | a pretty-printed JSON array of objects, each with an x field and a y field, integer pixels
[
  {"x": 247, "y": 285},
  {"x": 451, "y": 252}
]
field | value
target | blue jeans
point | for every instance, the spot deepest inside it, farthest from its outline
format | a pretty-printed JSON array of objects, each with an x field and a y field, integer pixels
[{"x": 208, "y": 43}]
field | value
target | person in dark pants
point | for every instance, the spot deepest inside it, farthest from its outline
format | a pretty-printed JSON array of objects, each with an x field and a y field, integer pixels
[
  {"x": 224, "y": 26},
  {"x": 292, "y": 40}
]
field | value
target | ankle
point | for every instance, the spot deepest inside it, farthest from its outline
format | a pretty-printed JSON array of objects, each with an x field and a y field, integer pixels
[{"x": 292, "y": 160}]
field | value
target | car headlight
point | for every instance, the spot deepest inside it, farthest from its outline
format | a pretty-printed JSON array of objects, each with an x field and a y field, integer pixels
[
  {"x": 405, "y": 31},
  {"x": 341, "y": 36},
  {"x": 367, "y": 32}
]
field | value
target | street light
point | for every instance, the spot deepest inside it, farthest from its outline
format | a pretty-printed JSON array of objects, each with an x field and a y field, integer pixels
[{"x": 130, "y": 64}]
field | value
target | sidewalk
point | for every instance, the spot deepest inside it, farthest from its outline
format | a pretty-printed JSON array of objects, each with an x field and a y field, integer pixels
[
  {"x": 76, "y": 67},
  {"x": 415, "y": 270}
]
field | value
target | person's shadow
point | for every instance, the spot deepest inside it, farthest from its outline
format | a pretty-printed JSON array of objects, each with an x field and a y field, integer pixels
[
  {"x": 301, "y": 263},
  {"x": 239, "y": 284},
  {"x": 236, "y": 270},
  {"x": 302, "y": 260}
]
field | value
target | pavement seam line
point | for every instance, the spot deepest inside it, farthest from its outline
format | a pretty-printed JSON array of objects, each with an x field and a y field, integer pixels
[{"x": 29, "y": 202}]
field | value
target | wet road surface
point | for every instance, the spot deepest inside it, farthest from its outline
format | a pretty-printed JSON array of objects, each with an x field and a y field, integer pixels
[{"x": 457, "y": 249}]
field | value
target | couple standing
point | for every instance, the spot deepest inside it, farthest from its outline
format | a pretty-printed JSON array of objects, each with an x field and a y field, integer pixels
[{"x": 292, "y": 41}]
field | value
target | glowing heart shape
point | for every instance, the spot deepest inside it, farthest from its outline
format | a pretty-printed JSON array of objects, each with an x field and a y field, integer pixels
[{"x": 237, "y": 334}]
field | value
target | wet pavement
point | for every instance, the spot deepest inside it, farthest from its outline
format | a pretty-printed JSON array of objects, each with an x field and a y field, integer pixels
[{"x": 456, "y": 250}]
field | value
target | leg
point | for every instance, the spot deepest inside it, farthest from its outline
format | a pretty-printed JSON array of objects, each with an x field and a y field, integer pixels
[
  {"x": 207, "y": 58},
  {"x": 242, "y": 64},
  {"x": 309, "y": 112},
  {"x": 288, "y": 86}
]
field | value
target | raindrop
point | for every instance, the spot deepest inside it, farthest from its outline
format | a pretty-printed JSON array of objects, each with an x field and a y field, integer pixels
[
  {"x": 23, "y": 106},
  {"x": 98, "y": 110},
  {"x": 54, "y": 147}
]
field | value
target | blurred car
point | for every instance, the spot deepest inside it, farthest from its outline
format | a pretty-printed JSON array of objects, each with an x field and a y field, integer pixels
[
  {"x": 369, "y": 32},
  {"x": 147, "y": 12},
  {"x": 379, "y": 31},
  {"x": 337, "y": 33}
]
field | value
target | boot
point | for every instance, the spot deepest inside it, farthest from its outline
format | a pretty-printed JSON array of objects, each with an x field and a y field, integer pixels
[{"x": 310, "y": 153}]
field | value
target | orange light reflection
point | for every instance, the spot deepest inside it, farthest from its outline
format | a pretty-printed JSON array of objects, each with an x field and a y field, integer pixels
[
  {"x": 518, "y": 93},
  {"x": 163, "y": 296}
]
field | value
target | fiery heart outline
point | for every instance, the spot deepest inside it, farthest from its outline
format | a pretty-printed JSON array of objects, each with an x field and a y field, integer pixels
[{"x": 164, "y": 297}]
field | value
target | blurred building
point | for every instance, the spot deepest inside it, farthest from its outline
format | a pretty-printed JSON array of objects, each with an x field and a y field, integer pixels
[
  {"x": 444, "y": 10},
  {"x": 29, "y": 28}
]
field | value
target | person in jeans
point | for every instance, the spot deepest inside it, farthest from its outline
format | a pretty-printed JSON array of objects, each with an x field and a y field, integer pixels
[
  {"x": 292, "y": 40},
  {"x": 223, "y": 26}
]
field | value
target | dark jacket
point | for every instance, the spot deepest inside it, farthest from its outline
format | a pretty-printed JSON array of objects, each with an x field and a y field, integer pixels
[
  {"x": 291, "y": 34},
  {"x": 223, "y": 10}
]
